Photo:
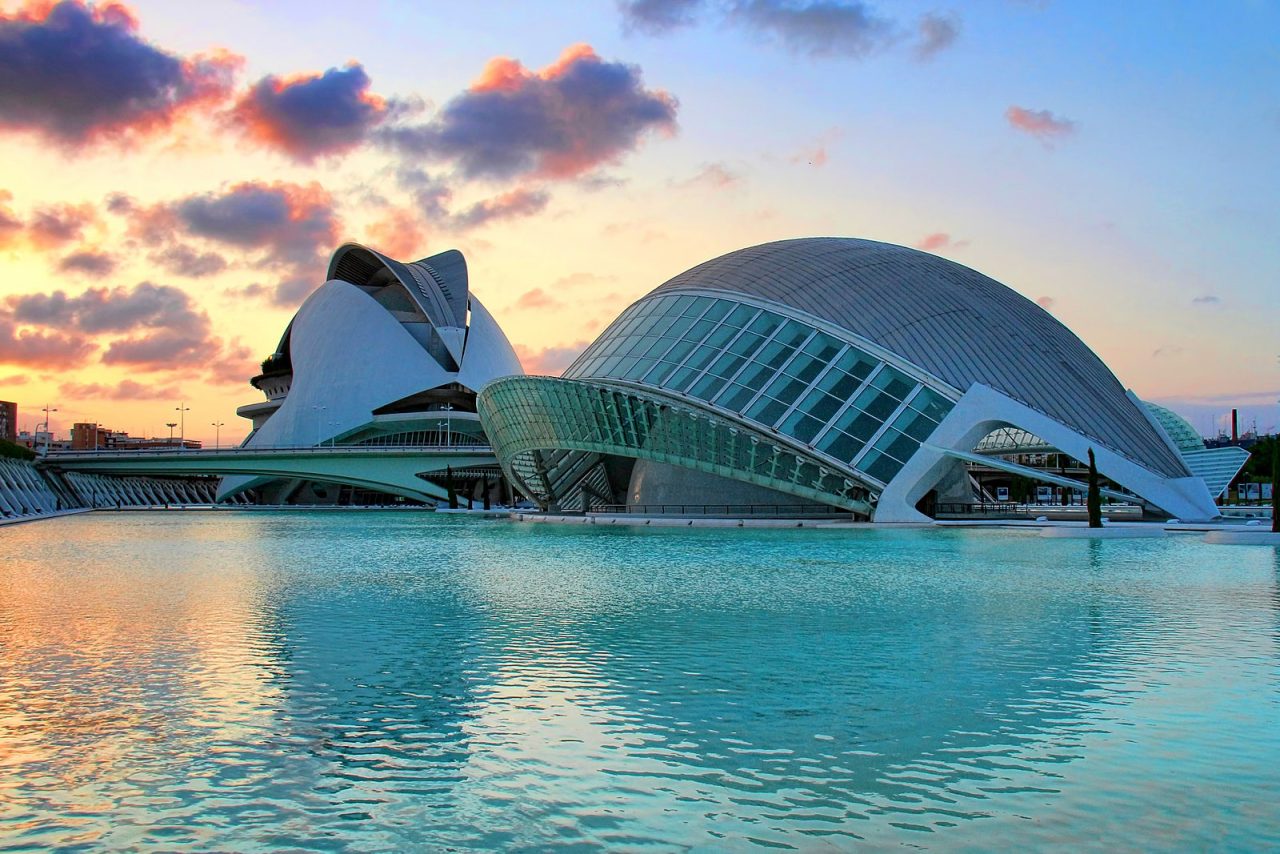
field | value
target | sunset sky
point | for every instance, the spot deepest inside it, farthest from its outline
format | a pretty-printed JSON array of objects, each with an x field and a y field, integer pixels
[{"x": 175, "y": 175}]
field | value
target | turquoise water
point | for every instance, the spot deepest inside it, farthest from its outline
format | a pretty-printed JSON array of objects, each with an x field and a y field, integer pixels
[{"x": 391, "y": 681}]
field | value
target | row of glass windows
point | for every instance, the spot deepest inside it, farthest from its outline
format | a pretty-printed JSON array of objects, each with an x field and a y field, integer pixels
[{"x": 775, "y": 371}]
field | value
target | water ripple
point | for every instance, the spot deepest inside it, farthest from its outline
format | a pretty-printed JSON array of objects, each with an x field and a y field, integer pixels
[{"x": 375, "y": 682}]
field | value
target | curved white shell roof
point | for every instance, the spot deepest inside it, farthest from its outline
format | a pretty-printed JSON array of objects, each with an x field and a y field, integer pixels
[{"x": 953, "y": 322}]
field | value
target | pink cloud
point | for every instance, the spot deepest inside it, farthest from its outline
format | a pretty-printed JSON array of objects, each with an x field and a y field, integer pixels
[{"x": 1041, "y": 124}]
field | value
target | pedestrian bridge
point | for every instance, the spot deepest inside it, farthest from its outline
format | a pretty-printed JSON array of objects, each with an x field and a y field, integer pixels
[{"x": 399, "y": 470}]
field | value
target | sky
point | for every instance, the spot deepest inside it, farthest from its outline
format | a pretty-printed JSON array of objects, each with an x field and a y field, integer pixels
[{"x": 174, "y": 176}]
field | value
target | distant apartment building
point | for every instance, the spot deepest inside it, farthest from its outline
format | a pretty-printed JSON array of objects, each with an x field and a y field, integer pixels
[
  {"x": 8, "y": 420},
  {"x": 88, "y": 436}
]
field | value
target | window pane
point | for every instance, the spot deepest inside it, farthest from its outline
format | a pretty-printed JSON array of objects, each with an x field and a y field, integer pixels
[
  {"x": 839, "y": 384},
  {"x": 785, "y": 389},
  {"x": 765, "y": 323},
  {"x": 718, "y": 309},
  {"x": 805, "y": 368},
  {"x": 932, "y": 404},
  {"x": 681, "y": 305},
  {"x": 774, "y": 354},
  {"x": 897, "y": 445},
  {"x": 801, "y": 426},
  {"x": 707, "y": 387},
  {"x": 876, "y": 403},
  {"x": 793, "y": 334},
  {"x": 721, "y": 336},
  {"x": 727, "y": 365},
  {"x": 658, "y": 373},
  {"x": 679, "y": 351},
  {"x": 735, "y": 397},
  {"x": 637, "y": 370},
  {"x": 680, "y": 378},
  {"x": 741, "y": 315},
  {"x": 746, "y": 344},
  {"x": 756, "y": 375},
  {"x": 883, "y": 467},
  {"x": 894, "y": 383},
  {"x": 840, "y": 445},
  {"x": 766, "y": 410},
  {"x": 823, "y": 347}
]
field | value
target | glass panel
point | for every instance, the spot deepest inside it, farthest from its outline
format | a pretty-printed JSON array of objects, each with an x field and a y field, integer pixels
[
  {"x": 679, "y": 351},
  {"x": 876, "y": 403},
  {"x": 746, "y": 344},
  {"x": 682, "y": 305},
  {"x": 735, "y": 397},
  {"x": 801, "y": 426},
  {"x": 680, "y": 378},
  {"x": 676, "y": 328},
  {"x": 657, "y": 348},
  {"x": 840, "y": 445},
  {"x": 839, "y": 384},
  {"x": 774, "y": 354},
  {"x": 638, "y": 370},
  {"x": 720, "y": 336},
  {"x": 699, "y": 330},
  {"x": 883, "y": 467},
  {"x": 820, "y": 406},
  {"x": 756, "y": 375},
  {"x": 707, "y": 387},
  {"x": 805, "y": 368},
  {"x": 823, "y": 347},
  {"x": 785, "y": 389},
  {"x": 741, "y": 315},
  {"x": 718, "y": 309},
  {"x": 894, "y": 383},
  {"x": 701, "y": 357},
  {"x": 914, "y": 424},
  {"x": 854, "y": 361},
  {"x": 932, "y": 404},
  {"x": 727, "y": 365},
  {"x": 766, "y": 410},
  {"x": 793, "y": 334},
  {"x": 765, "y": 323},
  {"x": 659, "y": 372},
  {"x": 897, "y": 445}
]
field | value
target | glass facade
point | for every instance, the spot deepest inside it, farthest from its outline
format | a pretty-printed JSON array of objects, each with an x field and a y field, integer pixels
[
  {"x": 552, "y": 436},
  {"x": 776, "y": 372}
]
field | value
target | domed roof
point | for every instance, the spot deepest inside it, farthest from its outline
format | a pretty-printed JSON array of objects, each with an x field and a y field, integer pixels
[{"x": 951, "y": 321}]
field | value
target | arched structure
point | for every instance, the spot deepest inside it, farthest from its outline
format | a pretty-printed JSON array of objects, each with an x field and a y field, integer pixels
[
  {"x": 384, "y": 353},
  {"x": 873, "y": 370}
]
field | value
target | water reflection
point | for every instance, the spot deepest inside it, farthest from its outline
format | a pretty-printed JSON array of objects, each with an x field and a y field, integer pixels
[{"x": 387, "y": 681}]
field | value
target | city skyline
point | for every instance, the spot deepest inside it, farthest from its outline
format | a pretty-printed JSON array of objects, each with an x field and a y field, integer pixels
[{"x": 174, "y": 192}]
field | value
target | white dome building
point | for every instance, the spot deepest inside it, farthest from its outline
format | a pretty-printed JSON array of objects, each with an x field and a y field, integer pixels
[
  {"x": 384, "y": 353},
  {"x": 844, "y": 373}
]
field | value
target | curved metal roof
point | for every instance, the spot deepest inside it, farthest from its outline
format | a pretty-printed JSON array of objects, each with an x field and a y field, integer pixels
[
  {"x": 957, "y": 324},
  {"x": 438, "y": 284}
]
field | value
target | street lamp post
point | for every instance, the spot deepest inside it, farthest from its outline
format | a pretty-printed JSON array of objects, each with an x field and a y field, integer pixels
[
  {"x": 171, "y": 425},
  {"x": 319, "y": 411},
  {"x": 217, "y": 433},
  {"x": 182, "y": 409},
  {"x": 47, "y": 410}
]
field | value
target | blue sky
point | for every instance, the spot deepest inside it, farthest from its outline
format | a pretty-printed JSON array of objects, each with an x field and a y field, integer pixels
[{"x": 1116, "y": 161}]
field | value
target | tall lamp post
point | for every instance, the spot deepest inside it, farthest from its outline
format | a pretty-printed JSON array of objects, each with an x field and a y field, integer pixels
[
  {"x": 47, "y": 410},
  {"x": 217, "y": 432},
  {"x": 182, "y": 409},
  {"x": 171, "y": 425}
]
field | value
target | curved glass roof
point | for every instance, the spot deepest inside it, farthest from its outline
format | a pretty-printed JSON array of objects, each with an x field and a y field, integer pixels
[
  {"x": 1184, "y": 436},
  {"x": 951, "y": 321}
]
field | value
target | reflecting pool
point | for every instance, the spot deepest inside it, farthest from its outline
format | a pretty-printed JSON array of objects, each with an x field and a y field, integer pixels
[{"x": 379, "y": 681}]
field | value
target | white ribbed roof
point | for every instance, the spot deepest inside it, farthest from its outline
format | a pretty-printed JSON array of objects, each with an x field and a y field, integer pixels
[{"x": 957, "y": 324}]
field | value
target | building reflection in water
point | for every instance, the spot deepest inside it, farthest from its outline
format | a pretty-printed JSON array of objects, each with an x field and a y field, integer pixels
[{"x": 396, "y": 681}]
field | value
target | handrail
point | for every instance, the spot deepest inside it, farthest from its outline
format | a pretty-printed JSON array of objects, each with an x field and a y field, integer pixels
[
  {"x": 721, "y": 509},
  {"x": 309, "y": 449}
]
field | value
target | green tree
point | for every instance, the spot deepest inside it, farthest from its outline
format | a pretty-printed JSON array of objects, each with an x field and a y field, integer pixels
[
  {"x": 1095, "y": 494},
  {"x": 14, "y": 451}
]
